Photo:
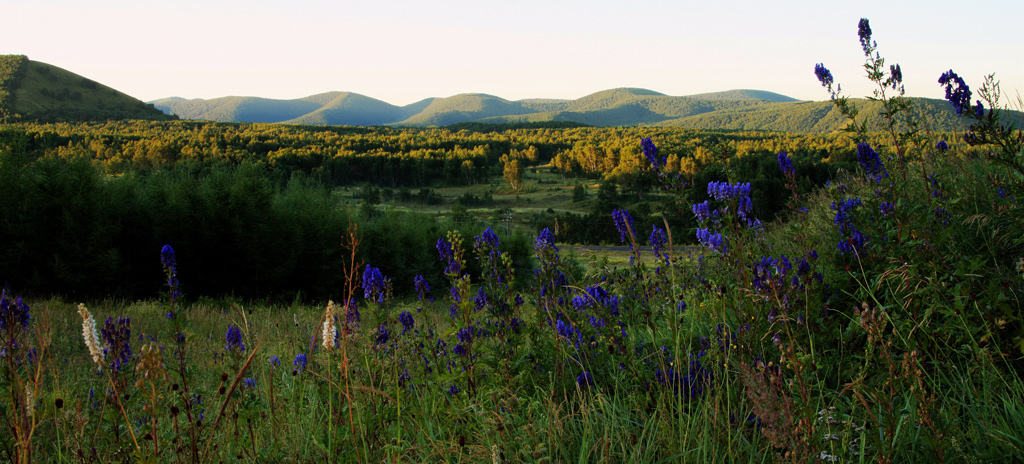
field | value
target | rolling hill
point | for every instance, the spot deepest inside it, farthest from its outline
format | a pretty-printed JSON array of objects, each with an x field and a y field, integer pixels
[
  {"x": 741, "y": 109},
  {"x": 36, "y": 91},
  {"x": 31, "y": 90}
]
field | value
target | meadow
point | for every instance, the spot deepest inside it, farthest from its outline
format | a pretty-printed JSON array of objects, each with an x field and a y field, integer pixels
[{"x": 876, "y": 318}]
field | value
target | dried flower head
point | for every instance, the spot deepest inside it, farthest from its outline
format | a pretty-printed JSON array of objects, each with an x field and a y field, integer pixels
[
  {"x": 91, "y": 337},
  {"x": 328, "y": 332},
  {"x": 151, "y": 364}
]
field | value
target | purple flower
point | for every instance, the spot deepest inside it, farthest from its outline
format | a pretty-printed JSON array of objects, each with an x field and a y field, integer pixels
[
  {"x": 234, "y": 340},
  {"x": 274, "y": 361},
  {"x": 823, "y": 74},
  {"x": 13, "y": 313},
  {"x": 487, "y": 239},
  {"x": 117, "y": 337},
  {"x": 300, "y": 362},
  {"x": 623, "y": 223},
  {"x": 545, "y": 240},
  {"x": 422, "y": 288},
  {"x": 658, "y": 241},
  {"x": 382, "y": 335},
  {"x": 896, "y": 75},
  {"x": 870, "y": 160},
  {"x": 957, "y": 91},
  {"x": 167, "y": 257},
  {"x": 713, "y": 240},
  {"x": 864, "y": 33},
  {"x": 249, "y": 383},
  {"x": 407, "y": 321},
  {"x": 585, "y": 379},
  {"x": 979, "y": 110},
  {"x": 942, "y": 146},
  {"x": 887, "y": 208},
  {"x": 785, "y": 163},
  {"x": 650, "y": 152},
  {"x": 374, "y": 284},
  {"x": 702, "y": 211}
]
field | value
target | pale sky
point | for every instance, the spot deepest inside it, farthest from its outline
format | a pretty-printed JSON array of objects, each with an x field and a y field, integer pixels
[{"x": 402, "y": 51}]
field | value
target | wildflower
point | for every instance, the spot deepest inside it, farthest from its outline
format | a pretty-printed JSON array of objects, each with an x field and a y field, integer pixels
[
  {"x": 957, "y": 91},
  {"x": 151, "y": 364},
  {"x": 870, "y": 160},
  {"x": 623, "y": 223},
  {"x": 713, "y": 240},
  {"x": 422, "y": 288},
  {"x": 234, "y": 340},
  {"x": 942, "y": 146},
  {"x": 92, "y": 339},
  {"x": 824, "y": 75},
  {"x": 545, "y": 240},
  {"x": 785, "y": 163},
  {"x": 13, "y": 313},
  {"x": 117, "y": 335},
  {"x": 979, "y": 110},
  {"x": 650, "y": 152},
  {"x": 168, "y": 261},
  {"x": 895, "y": 75},
  {"x": 382, "y": 335},
  {"x": 374, "y": 284},
  {"x": 487, "y": 239},
  {"x": 300, "y": 362},
  {"x": 864, "y": 33},
  {"x": 352, "y": 313},
  {"x": 249, "y": 383},
  {"x": 407, "y": 321},
  {"x": 585, "y": 379},
  {"x": 702, "y": 211},
  {"x": 167, "y": 257},
  {"x": 274, "y": 361},
  {"x": 327, "y": 332},
  {"x": 658, "y": 241},
  {"x": 886, "y": 208}
]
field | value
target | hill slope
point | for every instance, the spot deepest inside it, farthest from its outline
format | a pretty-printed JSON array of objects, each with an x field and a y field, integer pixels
[
  {"x": 43, "y": 92},
  {"x": 809, "y": 117},
  {"x": 350, "y": 109}
]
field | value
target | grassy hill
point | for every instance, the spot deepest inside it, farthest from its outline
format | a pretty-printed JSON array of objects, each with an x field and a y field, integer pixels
[
  {"x": 36, "y": 91},
  {"x": 464, "y": 108},
  {"x": 350, "y": 109},
  {"x": 234, "y": 109},
  {"x": 811, "y": 117},
  {"x": 741, "y": 109}
]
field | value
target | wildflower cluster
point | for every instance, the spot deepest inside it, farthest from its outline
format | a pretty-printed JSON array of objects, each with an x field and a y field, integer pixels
[
  {"x": 233, "y": 340},
  {"x": 169, "y": 263},
  {"x": 375, "y": 286},
  {"x": 14, "y": 314},
  {"x": 117, "y": 337}
]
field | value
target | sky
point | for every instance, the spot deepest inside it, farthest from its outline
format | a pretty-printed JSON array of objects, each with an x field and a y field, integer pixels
[{"x": 402, "y": 51}]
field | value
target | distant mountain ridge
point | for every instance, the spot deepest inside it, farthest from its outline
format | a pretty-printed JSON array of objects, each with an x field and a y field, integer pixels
[
  {"x": 742, "y": 109},
  {"x": 622, "y": 106},
  {"x": 35, "y": 91}
]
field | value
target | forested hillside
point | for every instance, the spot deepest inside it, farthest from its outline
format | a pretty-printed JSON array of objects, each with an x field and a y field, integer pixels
[{"x": 35, "y": 91}]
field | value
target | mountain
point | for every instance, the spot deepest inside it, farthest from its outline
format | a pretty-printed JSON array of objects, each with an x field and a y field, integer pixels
[
  {"x": 805, "y": 116},
  {"x": 36, "y": 91},
  {"x": 742, "y": 109},
  {"x": 350, "y": 109},
  {"x": 464, "y": 108},
  {"x": 236, "y": 109}
]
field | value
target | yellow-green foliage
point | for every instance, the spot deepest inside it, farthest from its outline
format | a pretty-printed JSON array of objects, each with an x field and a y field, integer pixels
[{"x": 11, "y": 67}]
